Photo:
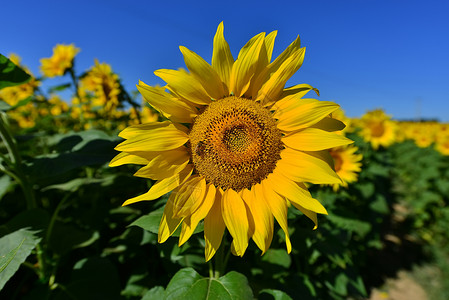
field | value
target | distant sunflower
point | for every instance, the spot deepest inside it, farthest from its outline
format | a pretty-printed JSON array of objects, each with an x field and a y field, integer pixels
[
  {"x": 378, "y": 128},
  {"x": 347, "y": 164},
  {"x": 248, "y": 146},
  {"x": 60, "y": 61}
]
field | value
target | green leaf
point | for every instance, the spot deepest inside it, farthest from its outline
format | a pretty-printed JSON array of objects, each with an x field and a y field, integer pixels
[
  {"x": 188, "y": 284},
  {"x": 60, "y": 87},
  {"x": 150, "y": 222},
  {"x": 353, "y": 225},
  {"x": 5, "y": 185},
  {"x": 278, "y": 257},
  {"x": 276, "y": 295},
  {"x": 6, "y": 259},
  {"x": 4, "y": 106},
  {"x": 10, "y": 74},
  {"x": 157, "y": 292},
  {"x": 14, "y": 249}
]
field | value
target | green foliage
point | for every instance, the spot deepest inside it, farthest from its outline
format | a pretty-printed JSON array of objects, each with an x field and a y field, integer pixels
[
  {"x": 10, "y": 74},
  {"x": 15, "y": 248}
]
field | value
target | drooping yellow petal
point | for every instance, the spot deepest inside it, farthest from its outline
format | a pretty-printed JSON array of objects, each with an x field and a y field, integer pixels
[
  {"x": 278, "y": 207},
  {"x": 184, "y": 85},
  {"x": 168, "y": 223},
  {"x": 263, "y": 220},
  {"x": 204, "y": 73},
  {"x": 312, "y": 139},
  {"x": 169, "y": 106},
  {"x": 222, "y": 59},
  {"x": 190, "y": 222},
  {"x": 161, "y": 187},
  {"x": 214, "y": 227},
  {"x": 295, "y": 192},
  {"x": 127, "y": 158},
  {"x": 166, "y": 164},
  {"x": 298, "y": 91},
  {"x": 245, "y": 65},
  {"x": 304, "y": 114},
  {"x": 272, "y": 89},
  {"x": 189, "y": 197},
  {"x": 304, "y": 167},
  {"x": 235, "y": 216},
  {"x": 329, "y": 124},
  {"x": 159, "y": 139},
  {"x": 309, "y": 214}
]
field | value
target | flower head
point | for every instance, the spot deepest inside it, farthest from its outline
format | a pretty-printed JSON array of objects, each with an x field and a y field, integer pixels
[
  {"x": 60, "y": 61},
  {"x": 378, "y": 128},
  {"x": 347, "y": 164},
  {"x": 237, "y": 147}
]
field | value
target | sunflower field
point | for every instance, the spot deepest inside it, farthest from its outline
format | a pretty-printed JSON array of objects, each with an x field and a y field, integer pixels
[{"x": 263, "y": 193}]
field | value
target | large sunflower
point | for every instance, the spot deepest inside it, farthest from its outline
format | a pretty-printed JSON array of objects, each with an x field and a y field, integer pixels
[{"x": 236, "y": 146}]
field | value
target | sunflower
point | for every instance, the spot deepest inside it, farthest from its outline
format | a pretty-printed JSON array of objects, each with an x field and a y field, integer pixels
[
  {"x": 60, "y": 61},
  {"x": 378, "y": 128},
  {"x": 236, "y": 147},
  {"x": 347, "y": 163}
]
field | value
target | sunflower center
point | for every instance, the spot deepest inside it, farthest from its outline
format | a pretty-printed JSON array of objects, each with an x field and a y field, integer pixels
[
  {"x": 377, "y": 129},
  {"x": 235, "y": 143},
  {"x": 338, "y": 161}
]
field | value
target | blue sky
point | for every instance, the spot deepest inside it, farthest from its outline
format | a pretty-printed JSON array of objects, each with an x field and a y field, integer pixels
[{"x": 361, "y": 54}]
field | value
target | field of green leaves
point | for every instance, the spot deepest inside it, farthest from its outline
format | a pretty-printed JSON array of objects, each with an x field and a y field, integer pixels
[{"x": 64, "y": 233}]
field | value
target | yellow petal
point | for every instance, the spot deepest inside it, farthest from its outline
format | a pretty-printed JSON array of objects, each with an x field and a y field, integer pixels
[
  {"x": 304, "y": 167},
  {"x": 161, "y": 187},
  {"x": 235, "y": 216},
  {"x": 184, "y": 85},
  {"x": 263, "y": 220},
  {"x": 189, "y": 197},
  {"x": 299, "y": 90},
  {"x": 135, "y": 130},
  {"x": 168, "y": 223},
  {"x": 169, "y": 106},
  {"x": 190, "y": 222},
  {"x": 245, "y": 65},
  {"x": 269, "y": 43},
  {"x": 204, "y": 73},
  {"x": 263, "y": 76},
  {"x": 303, "y": 114},
  {"x": 214, "y": 227},
  {"x": 272, "y": 89},
  {"x": 312, "y": 139},
  {"x": 309, "y": 214},
  {"x": 166, "y": 164},
  {"x": 159, "y": 139},
  {"x": 295, "y": 192},
  {"x": 278, "y": 207},
  {"x": 329, "y": 124},
  {"x": 127, "y": 158},
  {"x": 222, "y": 59}
]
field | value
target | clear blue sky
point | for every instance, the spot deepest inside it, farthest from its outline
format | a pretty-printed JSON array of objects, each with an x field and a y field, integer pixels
[{"x": 364, "y": 54}]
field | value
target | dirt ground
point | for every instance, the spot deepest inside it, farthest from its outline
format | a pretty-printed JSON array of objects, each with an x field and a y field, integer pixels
[{"x": 404, "y": 287}]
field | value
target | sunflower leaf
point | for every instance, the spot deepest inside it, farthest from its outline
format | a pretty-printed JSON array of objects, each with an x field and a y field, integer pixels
[
  {"x": 188, "y": 284},
  {"x": 10, "y": 74},
  {"x": 15, "y": 248}
]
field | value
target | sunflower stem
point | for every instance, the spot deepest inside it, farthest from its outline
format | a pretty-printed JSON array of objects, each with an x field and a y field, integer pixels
[{"x": 220, "y": 259}]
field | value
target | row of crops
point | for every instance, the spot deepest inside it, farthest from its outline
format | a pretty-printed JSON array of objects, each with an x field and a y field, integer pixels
[{"x": 64, "y": 233}]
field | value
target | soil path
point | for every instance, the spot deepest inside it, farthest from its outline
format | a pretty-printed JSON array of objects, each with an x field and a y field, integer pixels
[{"x": 401, "y": 288}]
